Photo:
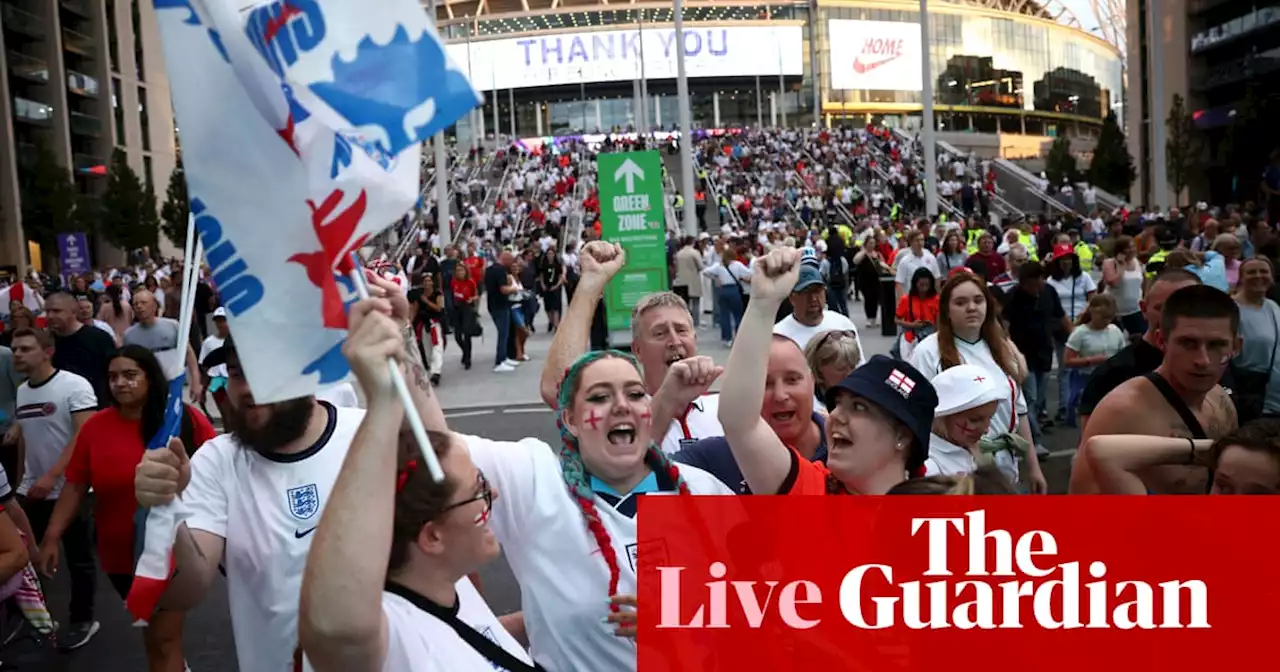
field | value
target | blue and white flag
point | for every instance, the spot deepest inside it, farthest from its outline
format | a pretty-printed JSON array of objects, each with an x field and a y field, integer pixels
[{"x": 301, "y": 125}]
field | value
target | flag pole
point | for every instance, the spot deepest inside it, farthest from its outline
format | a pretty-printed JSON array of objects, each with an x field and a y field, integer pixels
[{"x": 402, "y": 388}]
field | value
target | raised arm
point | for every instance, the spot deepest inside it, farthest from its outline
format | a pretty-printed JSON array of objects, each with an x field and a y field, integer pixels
[
  {"x": 762, "y": 457},
  {"x": 600, "y": 261},
  {"x": 341, "y": 625}
]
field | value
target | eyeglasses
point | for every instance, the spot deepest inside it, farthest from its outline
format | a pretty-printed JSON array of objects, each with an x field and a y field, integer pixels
[{"x": 485, "y": 494}]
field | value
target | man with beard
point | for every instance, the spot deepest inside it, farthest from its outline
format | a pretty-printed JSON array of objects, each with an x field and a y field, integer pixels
[
  {"x": 256, "y": 496},
  {"x": 662, "y": 333}
]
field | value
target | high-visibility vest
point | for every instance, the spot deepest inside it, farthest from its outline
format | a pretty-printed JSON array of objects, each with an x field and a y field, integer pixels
[
  {"x": 972, "y": 244},
  {"x": 679, "y": 201},
  {"x": 1029, "y": 243},
  {"x": 1085, "y": 253},
  {"x": 1155, "y": 263}
]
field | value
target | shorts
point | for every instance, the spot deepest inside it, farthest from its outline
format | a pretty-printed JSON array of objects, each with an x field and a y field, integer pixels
[{"x": 517, "y": 315}]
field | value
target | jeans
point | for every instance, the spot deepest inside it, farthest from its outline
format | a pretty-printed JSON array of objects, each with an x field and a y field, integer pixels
[
  {"x": 695, "y": 309},
  {"x": 838, "y": 300},
  {"x": 502, "y": 324},
  {"x": 1033, "y": 391},
  {"x": 731, "y": 310},
  {"x": 77, "y": 554}
]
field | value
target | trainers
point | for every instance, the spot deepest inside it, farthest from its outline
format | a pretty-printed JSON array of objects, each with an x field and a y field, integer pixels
[
  {"x": 511, "y": 363},
  {"x": 76, "y": 635},
  {"x": 503, "y": 368},
  {"x": 1041, "y": 451}
]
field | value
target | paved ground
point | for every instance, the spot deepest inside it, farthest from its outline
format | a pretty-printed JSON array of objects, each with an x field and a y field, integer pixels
[{"x": 500, "y": 406}]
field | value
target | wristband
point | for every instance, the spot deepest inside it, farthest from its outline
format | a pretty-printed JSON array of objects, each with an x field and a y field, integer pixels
[{"x": 1191, "y": 455}]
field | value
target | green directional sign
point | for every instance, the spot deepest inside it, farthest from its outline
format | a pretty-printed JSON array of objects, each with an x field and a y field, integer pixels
[{"x": 632, "y": 212}]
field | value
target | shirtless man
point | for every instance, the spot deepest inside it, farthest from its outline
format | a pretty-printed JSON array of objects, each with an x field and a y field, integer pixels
[{"x": 1199, "y": 333}]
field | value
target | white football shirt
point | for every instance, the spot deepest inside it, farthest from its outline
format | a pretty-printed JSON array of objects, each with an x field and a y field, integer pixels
[
  {"x": 701, "y": 421},
  {"x": 563, "y": 579},
  {"x": 925, "y": 357},
  {"x": 44, "y": 413},
  {"x": 266, "y": 507}
]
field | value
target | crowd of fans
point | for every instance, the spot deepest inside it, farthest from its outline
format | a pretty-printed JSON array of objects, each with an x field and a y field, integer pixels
[{"x": 1144, "y": 320}]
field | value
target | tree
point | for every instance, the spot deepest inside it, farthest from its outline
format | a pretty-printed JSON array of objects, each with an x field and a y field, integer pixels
[
  {"x": 1182, "y": 146},
  {"x": 174, "y": 214},
  {"x": 48, "y": 199},
  {"x": 129, "y": 221},
  {"x": 1060, "y": 163},
  {"x": 1111, "y": 169}
]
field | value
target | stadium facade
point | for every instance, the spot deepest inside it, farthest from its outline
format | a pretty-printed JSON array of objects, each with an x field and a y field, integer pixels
[{"x": 557, "y": 67}]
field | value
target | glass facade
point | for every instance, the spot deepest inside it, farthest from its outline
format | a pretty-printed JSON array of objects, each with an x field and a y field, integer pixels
[
  {"x": 992, "y": 72},
  {"x": 989, "y": 61}
]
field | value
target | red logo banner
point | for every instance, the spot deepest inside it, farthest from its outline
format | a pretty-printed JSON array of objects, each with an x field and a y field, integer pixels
[{"x": 1052, "y": 584}]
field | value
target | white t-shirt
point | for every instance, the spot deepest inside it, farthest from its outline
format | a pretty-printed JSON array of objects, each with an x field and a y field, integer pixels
[
  {"x": 267, "y": 509},
  {"x": 419, "y": 642},
  {"x": 1093, "y": 342},
  {"x": 702, "y": 421},
  {"x": 44, "y": 413},
  {"x": 342, "y": 395},
  {"x": 563, "y": 579},
  {"x": 907, "y": 263},
  {"x": 1073, "y": 293},
  {"x": 206, "y": 348},
  {"x": 831, "y": 321},
  {"x": 925, "y": 358}
]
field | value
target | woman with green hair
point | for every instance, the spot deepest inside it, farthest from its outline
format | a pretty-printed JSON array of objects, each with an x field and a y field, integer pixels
[{"x": 567, "y": 516}]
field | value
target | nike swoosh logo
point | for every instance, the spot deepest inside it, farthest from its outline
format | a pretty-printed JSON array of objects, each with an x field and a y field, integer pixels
[
  {"x": 298, "y": 534},
  {"x": 861, "y": 67}
]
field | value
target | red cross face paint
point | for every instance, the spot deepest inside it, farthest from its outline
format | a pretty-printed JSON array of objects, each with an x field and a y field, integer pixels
[{"x": 612, "y": 414}]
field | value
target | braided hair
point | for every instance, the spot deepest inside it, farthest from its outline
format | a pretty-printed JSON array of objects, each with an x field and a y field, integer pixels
[{"x": 575, "y": 472}]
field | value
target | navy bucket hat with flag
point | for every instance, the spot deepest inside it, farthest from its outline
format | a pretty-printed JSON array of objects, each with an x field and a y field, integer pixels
[{"x": 902, "y": 391}]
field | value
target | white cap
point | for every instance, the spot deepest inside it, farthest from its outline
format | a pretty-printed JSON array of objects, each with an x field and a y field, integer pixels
[
  {"x": 220, "y": 312},
  {"x": 963, "y": 387}
]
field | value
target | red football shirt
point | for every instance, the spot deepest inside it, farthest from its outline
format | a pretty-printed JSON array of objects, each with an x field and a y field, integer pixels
[{"x": 107, "y": 451}]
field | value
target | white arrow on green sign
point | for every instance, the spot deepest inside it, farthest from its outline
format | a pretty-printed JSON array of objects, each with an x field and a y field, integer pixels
[{"x": 632, "y": 213}]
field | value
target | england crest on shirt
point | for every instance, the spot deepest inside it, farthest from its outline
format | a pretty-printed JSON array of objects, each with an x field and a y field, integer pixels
[{"x": 304, "y": 501}]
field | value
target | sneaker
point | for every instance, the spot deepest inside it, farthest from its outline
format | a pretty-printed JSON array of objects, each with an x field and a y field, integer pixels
[
  {"x": 513, "y": 363},
  {"x": 1041, "y": 451},
  {"x": 435, "y": 380},
  {"x": 503, "y": 368},
  {"x": 76, "y": 635}
]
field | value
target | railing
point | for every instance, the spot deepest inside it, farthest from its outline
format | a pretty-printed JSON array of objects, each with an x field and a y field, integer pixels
[
  {"x": 715, "y": 196},
  {"x": 1029, "y": 183},
  {"x": 32, "y": 111},
  {"x": 998, "y": 202},
  {"x": 28, "y": 67},
  {"x": 84, "y": 124},
  {"x": 21, "y": 21},
  {"x": 77, "y": 42},
  {"x": 80, "y": 7},
  {"x": 835, "y": 202},
  {"x": 82, "y": 84}
]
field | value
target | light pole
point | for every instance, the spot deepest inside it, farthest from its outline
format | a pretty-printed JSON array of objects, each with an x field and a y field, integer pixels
[
  {"x": 686, "y": 136},
  {"x": 1155, "y": 117},
  {"x": 443, "y": 224},
  {"x": 927, "y": 137}
]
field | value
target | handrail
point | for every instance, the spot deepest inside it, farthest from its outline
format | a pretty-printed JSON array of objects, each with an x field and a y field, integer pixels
[
  {"x": 839, "y": 206},
  {"x": 1031, "y": 185},
  {"x": 715, "y": 194}
]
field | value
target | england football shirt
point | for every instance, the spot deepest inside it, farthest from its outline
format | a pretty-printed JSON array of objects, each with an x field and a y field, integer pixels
[
  {"x": 563, "y": 579},
  {"x": 267, "y": 508},
  {"x": 44, "y": 414}
]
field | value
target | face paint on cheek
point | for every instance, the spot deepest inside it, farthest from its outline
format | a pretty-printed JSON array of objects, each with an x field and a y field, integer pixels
[
  {"x": 593, "y": 420},
  {"x": 647, "y": 417}
]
